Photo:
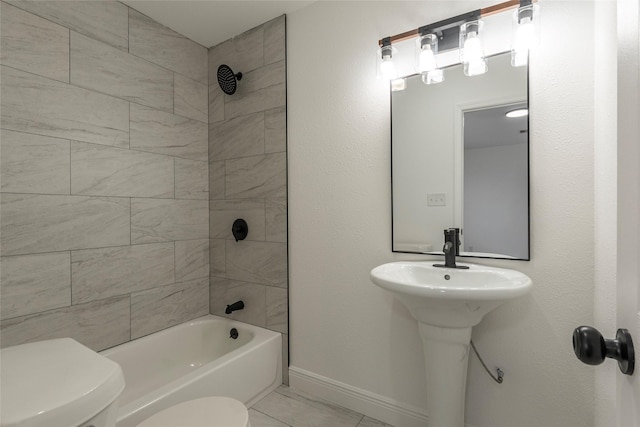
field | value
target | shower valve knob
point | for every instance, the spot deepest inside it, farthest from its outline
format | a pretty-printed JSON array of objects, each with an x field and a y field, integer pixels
[
  {"x": 240, "y": 229},
  {"x": 591, "y": 348}
]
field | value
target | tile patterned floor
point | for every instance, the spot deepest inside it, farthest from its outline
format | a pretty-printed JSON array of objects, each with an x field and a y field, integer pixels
[{"x": 287, "y": 407}]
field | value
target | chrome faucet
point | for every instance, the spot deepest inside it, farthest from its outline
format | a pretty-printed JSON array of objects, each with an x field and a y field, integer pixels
[{"x": 451, "y": 248}]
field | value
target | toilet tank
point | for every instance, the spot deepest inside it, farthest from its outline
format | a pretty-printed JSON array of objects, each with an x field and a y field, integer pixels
[{"x": 57, "y": 383}]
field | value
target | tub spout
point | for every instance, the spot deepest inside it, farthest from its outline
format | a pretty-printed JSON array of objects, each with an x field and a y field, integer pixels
[{"x": 238, "y": 305}]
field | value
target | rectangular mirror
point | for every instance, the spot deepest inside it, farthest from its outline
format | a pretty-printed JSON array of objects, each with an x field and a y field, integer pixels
[{"x": 459, "y": 161}]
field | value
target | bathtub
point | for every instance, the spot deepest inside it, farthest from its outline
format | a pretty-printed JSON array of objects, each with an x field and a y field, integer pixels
[{"x": 196, "y": 359}]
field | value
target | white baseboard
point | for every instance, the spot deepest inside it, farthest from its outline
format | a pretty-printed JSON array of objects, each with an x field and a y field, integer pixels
[{"x": 373, "y": 405}]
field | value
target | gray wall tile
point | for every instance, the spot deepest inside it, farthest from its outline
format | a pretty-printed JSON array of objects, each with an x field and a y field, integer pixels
[
  {"x": 47, "y": 107},
  {"x": 222, "y": 214},
  {"x": 192, "y": 179},
  {"x": 277, "y": 309},
  {"x": 224, "y": 292},
  {"x": 106, "y": 171},
  {"x": 257, "y": 262},
  {"x": 276, "y": 220},
  {"x": 192, "y": 259},
  {"x": 216, "y": 180},
  {"x": 102, "y": 273},
  {"x": 247, "y": 177},
  {"x": 34, "y": 283},
  {"x": 263, "y": 77},
  {"x": 100, "y": 67},
  {"x": 190, "y": 98},
  {"x": 275, "y": 130},
  {"x": 106, "y": 21},
  {"x": 163, "y": 46},
  {"x": 242, "y": 53},
  {"x": 33, "y": 163},
  {"x": 164, "y": 133},
  {"x": 274, "y": 40},
  {"x": 39, "y": 223},
  {"x": 257, "y": 176},
  {"x": 216, "y": 102},
  {"x": 217, "y": 257},
  {"x": 248, "y": 49},
  {"x": 259, "y": 100},
  {"x": 33, "y": 44},
  {"x": 98, "y": 325},
  {"x": 161, "y": 220},
  {"x": 164, "y": 79},
  {"x": 166, "y": 306},
  {"x": 239, "y": 137}
]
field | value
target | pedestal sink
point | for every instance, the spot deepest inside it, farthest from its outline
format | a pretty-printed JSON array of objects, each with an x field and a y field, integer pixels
[{"x": 447, "y": 303}]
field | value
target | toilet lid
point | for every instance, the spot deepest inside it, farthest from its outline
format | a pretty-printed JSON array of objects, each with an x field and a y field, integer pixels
[
  {"x": 55, "y": 383},
  {"x": 216, "y": 411}
]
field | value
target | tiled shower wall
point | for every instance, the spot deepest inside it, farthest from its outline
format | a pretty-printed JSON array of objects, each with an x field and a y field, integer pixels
[
  {"x": 104, "y": 174},
  {"x": 248, "y": 179}
]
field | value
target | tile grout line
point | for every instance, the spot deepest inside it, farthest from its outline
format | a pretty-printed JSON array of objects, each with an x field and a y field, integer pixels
[
  {"x": 96, "y": 248},
  {"x": 124, "y": 196},
  {"x": 96, "y": 91}
]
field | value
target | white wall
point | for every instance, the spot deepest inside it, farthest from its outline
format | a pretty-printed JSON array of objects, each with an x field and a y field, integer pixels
[{"x": 350, "y": 339}]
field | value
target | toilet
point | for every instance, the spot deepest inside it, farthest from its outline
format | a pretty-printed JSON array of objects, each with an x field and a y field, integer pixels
[{"x": 63, "y": 383}]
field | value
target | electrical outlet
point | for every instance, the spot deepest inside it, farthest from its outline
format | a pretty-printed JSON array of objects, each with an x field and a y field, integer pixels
[{"x": 436, "y": 199}]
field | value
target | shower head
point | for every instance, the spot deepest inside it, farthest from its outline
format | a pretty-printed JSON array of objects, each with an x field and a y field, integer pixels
[{"x": 227, "y": 80}]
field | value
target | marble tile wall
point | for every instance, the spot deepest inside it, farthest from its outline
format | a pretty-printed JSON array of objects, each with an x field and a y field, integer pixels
[
  {"x": 248, "y": 179},
  {"x": 104, "y": 203}
]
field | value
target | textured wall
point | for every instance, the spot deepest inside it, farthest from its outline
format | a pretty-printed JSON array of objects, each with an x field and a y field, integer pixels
[
  {"x": 349, "y": 331},
  {"x": 248, "y": 178},
  {"x": 104, "y": 178}
]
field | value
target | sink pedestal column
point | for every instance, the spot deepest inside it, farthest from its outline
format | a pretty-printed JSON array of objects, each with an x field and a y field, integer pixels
[{"x": 446, "y": 352}]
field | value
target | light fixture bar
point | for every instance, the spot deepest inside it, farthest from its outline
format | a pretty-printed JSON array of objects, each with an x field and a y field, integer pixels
[{"x": 480, "y": 13}]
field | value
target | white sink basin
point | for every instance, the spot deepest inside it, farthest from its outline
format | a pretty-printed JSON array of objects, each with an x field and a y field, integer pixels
[
  {"x": 449, "y": 297},
  {"x": 447, "y": 303}
]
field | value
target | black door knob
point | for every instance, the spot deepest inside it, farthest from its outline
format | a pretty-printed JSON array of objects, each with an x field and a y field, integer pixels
[{"x": 591, "y": 348}]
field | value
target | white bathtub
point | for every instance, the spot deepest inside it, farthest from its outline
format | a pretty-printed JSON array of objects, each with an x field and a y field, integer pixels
[{"x": 196, "y": 359}]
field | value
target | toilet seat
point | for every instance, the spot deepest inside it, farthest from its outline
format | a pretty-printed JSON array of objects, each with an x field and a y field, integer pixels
[{"x": 215, "y": 411}]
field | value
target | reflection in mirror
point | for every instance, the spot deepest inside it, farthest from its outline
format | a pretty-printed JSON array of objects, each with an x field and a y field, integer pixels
[{"x": 459, "y": 161}]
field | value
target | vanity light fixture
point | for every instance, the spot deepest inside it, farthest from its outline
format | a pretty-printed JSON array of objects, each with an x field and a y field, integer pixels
[
  {"x": 523, "y": 32},
  {"x": 426, "y": 59},
  {"x": 387, "y": 68},
  {"x": 520, "y": 112},
  {"x": 472, "y": 51},
  {"x": 463, "y": 32}
]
